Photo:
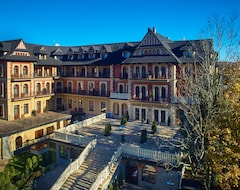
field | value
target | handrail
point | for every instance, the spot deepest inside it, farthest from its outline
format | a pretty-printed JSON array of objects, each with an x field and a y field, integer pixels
[
  {"x": 107, "y": 170},
  {"x": 74, "y": 165}
]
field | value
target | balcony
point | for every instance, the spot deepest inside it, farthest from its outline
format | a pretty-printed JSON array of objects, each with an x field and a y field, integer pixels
[
  {"x": 44, "y": 75},
  {"x": 124, "y": 76},
  {"x": 20, "y": 77},
  {"x": 83, "y": 92},
  {"x": 150, "y": 99},
  {"x": 43, "y": 93},
  {"x": 22, "y": 96},
  {"x": 121, "y": 96},
  {"x": 157, "y": 77}
]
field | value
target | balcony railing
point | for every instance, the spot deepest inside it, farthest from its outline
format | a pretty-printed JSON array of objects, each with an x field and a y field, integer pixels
[
  {"x": 16, "y": 77},
  {"x": 89, "y": 75},
  {"x": 22, "y": 96},
  {"x": 149, "y": 99},
  {"x": 122, "y": 96},
  {"x": 83, "y": 92}
]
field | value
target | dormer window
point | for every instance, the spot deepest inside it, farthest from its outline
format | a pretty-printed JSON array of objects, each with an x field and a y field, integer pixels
[
  {"x": 91, "y": 56},
  {"x": 42, "y": 56},
  {"x": 104, "y": 55},
  {"x": 126, "y": 54},
  {"x": 187, "y": 53},
  {"x": 80, "y": 56},
  {"x": 70, "y": 57}
]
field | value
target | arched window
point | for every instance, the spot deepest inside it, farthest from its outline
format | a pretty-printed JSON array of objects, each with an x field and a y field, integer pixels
[
  {"x": 143, "y": 92},
  {"x": 79, "y": 88},
  {"x": 137, "y": 71},
  {"x": 38, "y": 87},
  {"x": 163, "y": 71},
  {"x": 1, "y": 71},
  {"x": 137, "y": 91},
  {"x": 25, "y": 89},
  {"x": 15, "y": 70},
  {"x": 48, "y": 87},
  {"x": 120, "y": 88},
  {"x": 59, "y": 87},
  {"x": 25, "y": 70},
  {"x": 18, "y": 142},
  {"x": 163, "y": 92},
  {"x": 144, "y": 75},
  {"x": 69, "y": 87},
  {"x": 156, "y": 72},
  {"x": 16, "y": 91},
  {"x": 103, "y": 89},
  {"x": 156, "y": 95}
]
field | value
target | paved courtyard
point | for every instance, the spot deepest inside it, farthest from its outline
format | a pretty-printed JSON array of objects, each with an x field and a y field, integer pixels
[{"x": 132, "y": 134}]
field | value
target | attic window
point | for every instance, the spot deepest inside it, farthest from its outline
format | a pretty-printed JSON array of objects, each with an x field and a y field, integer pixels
[
  {"x": 187, "y": 54},
  {"x": 104, "y": 55},
  {"x": 126, "y": 54},
  {"x": 20, "y": 53},
  {"x": 91, "y": 56}
]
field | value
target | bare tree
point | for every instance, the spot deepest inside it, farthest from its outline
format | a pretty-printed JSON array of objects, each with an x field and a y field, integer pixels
[{"x": 202, "y": 86}]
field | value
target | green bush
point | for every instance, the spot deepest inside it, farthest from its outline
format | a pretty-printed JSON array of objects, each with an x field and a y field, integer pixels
[
  {"x": 108, "y": 129},
  {"x": 143, "y": 138},
  {"x": 123, "y": 120},
  {"x": 154, "y": 127}
]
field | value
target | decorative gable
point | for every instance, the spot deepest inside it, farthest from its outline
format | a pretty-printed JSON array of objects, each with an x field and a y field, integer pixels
[
  {"x": 150, "y": 40},
  {"x": 21, "y": 46}
]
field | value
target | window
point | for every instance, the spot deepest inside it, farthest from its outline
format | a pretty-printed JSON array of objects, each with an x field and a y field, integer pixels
[
  {"x": 58, "y": 125},
  {"x": 59, "y": 104},
  {"x": 50, "y": 130},
  {"x": 126, "y": 54},
  {"x": 104, "y": 55},
  {"x": 69, "y": 103},
  {"x": 103, "y": 107},
  {"x": 163, "y": 71},
  {"x": 16, "y": 112},
  {"x": 15, "y": 70},
  {"x": 137, "y": 114},
  {"x": 149, "y": 174},
  {"x": 163, "y": 116},
  {"x": 26, "y": 110},
  {"x": 25, "y": 70},
  {"x": 1, "y": 71},
  {"x": 163, "y": 93},
  {"x": 69, "y": 87},
  {"x": 79, "y": 87},
  {"x": 103, "y": 89},
  {"x": 1, "y": 89},
  {"x": 137, "y": 91},
  {"x": 18, "y": 142},
  {"x": 59, "y": 87},
  {"x": 38, "y": 133},
  {"x": 48, "y": 87},
  {"x": 16, "y": 91},
  {"x": 38, "y": 88},
  {"x": 91, "y": 56},
  {"x": 25, "y": 89},
  {"x": 156, "y": 115},
  {"x": 1, "y": 110},
  {"x": 91, "y": 106},
  {"x": 38, "y": 106}
]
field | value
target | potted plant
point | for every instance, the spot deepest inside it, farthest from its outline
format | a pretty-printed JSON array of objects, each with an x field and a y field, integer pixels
[
  {"x": 154, "y": 127},
  {"x": 34, "y": 112},
  {"x": 108, "y": 129}
]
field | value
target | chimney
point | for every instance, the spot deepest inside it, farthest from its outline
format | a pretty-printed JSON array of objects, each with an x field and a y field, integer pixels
[{"x": 154, "y": 30}]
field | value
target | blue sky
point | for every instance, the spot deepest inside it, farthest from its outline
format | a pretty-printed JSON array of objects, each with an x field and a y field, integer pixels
[{"x": 81, "y": 22}]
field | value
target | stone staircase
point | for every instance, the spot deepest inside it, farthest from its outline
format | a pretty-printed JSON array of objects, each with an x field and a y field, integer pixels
[{"x": 88, "y": 172}]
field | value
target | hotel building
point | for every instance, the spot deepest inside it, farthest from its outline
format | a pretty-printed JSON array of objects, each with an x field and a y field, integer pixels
[{"x": 135, "y": 78}]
